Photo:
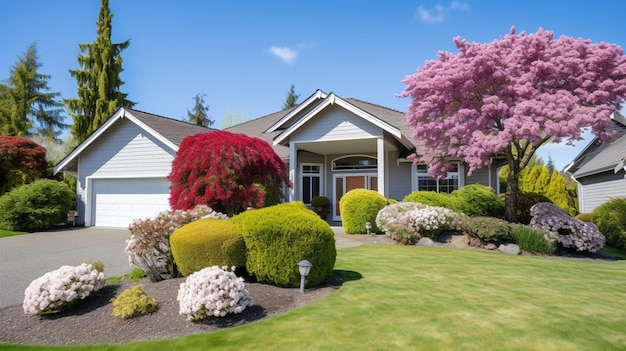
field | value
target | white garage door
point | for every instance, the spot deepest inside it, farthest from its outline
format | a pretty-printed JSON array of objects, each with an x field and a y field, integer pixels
[{"x": 117, "y": 202}]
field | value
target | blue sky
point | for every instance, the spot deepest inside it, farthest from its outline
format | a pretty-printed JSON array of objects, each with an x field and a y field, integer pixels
[{"x": 244, "y": 55}]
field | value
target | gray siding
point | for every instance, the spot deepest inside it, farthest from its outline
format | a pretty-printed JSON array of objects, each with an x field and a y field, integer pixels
[
  {"x": 485, "y": 176},
  {"x": 398, "y": 178},
  {"x": 335, "y": 123},
  {"x": 124, "y": 150},
  {"x": 598, "y": 189}
]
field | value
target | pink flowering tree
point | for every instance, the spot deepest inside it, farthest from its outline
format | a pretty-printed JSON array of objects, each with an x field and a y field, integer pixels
[{"x": 508, "y": 97}]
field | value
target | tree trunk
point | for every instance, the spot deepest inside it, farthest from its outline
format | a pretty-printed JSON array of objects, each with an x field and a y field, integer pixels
[{"x": 510, "y": 199}]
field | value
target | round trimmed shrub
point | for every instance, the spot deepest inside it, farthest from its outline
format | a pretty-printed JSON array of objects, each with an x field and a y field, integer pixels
[
  {"x": 478, "y": 200},
  {"x": 133, "y": 302},
  {"x": 610, "y": 218},
  {"x": 280, "y": 236},
  {"x": 36, "y": 206},
  {"x": 432, "y": 198},
  {"x": 207, "y": 242},
  {"x": 358, "y": 206}
]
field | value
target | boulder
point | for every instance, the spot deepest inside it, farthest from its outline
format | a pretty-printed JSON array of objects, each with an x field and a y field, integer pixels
[{"x": 512, "y": 249}]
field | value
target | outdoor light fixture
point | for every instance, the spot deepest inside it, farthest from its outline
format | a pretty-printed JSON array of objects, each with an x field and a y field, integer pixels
[
  {"x": 368, "y": 226},
  {"x": 305, "y": 267}
]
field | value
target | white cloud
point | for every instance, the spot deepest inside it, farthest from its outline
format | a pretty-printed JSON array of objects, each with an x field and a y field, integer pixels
[
  {"x": 439, "y": 12},
  {"x": 286, "y": 54}
]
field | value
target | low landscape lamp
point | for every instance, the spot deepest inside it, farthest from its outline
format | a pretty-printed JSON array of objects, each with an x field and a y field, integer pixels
[
  {"x": 305, "y": 267},
  {"x": 368, "y": 226}
]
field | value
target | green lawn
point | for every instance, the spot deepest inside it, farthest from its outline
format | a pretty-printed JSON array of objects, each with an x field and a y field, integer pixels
[
  {"x": 4, "y": 233},
  {"x": 411, "y": 297}
]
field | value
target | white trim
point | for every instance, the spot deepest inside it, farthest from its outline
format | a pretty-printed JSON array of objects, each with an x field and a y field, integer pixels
[
  {"x": 381, "y": 166},
  {"x": 460, "y": 173},
  {"x": 332, "y": 162},
  {"x": 118, "y": 115},
  {"x": 316, "y": 96},
  {"x": 293, "y": 161},
  {"x": 333, "y": 99}
]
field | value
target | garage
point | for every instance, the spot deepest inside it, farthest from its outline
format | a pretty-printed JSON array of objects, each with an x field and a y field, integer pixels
[{"x": 117, "y": 202}]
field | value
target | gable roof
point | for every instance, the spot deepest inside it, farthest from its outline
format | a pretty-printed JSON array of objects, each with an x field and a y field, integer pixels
[
  {"x": 167, "y": 130},
  {"x": 598, "y": 157}
]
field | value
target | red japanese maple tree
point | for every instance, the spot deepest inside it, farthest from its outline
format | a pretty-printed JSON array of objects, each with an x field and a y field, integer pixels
[
  {"x": 225, "y": 171},
  {"x": 21, "y": 161},
  {"x": 511, "y": 96}
]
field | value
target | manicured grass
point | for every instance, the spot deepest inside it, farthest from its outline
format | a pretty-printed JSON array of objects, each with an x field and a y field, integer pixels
[
  {"x": 408, "y": 297},
  {"x": 4, "y": 233}
]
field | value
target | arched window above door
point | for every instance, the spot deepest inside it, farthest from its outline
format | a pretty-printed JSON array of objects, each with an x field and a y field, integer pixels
[{"x": 354, "y": 162}]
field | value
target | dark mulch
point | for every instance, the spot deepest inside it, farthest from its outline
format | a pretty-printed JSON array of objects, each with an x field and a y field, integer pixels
[{"x": 91, "y": 321}]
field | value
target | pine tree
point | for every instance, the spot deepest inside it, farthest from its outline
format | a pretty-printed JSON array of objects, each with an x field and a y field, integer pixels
[
  {"x": 98, "y": 79},
  {"x": 232, "y": 120},
  {"x": 28, "y": 107},
  {"x": 199, "y": 114},
  {"x": 292, "y": 98},
  {"x": 550, "y": 165}
]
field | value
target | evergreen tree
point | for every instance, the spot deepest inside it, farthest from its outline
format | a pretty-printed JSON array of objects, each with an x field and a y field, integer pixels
[
  {"x": 543, "y": 179},
  {"x": 292, "y": 98},
  {"x": 199, "y": 114},
  {"x": 558, "y": 193},
  {"x": 28, "y": 107},
  {"x": 550, "y": 165},
  {"x": 98, "y": 79}
]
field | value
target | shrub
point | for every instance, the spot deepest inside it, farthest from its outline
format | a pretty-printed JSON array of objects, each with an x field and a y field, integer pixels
[
  {"x": 524, "y": 202},
  {"x": 21, "y": 162},
  {"x": 358, "y": 206},
  {"x": 585, "y": 217},
  {"x": 35, "y": 206},
  {"x": 320, "y": 201},
  {"x": 58, "y": 290},
  {"x": 280, "y": 236},
  {"x": 532, "y": 240},
  {"x": 226, "y": 171},
  {"x": 610, "y": 217},
  {"x": 432, "y": 198},
  {"x": 133, "y": 302},
  {"x": 407, "y": 222},
  {"x": 394, "y": 220},
  {"x": 488, "y": 229},
  {"x": 478, "y": 200},
  {"x": 207, "y": 242},
  {"x": 570, "y": 232},
  {"x": 149, "y": 245},
  {"x": 212, "y": 292}
]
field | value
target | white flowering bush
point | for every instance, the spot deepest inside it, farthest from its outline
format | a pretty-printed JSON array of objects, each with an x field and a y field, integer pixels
[
  {"x": 407, "y": 222},
  {"x": 59, "y": 289},
  {"x": 212, "y": 292},
  {"x": 149, "y": 245},
  {"x": 394, "y": 220},
  {"x": 570, "y": 232}
]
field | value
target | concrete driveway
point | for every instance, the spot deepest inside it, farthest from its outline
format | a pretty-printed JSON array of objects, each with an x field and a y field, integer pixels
[{"x": 24, "y": 258}]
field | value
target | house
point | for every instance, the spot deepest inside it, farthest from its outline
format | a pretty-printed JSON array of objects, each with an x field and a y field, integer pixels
[
  {"x": 330, "y": 144},
  {"x": 600, "y": 168}
]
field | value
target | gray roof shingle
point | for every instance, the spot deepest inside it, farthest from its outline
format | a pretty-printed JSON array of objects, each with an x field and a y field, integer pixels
[{"x": 171, "y": 129}]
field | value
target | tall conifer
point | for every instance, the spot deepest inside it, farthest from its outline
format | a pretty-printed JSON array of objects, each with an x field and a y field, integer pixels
[{"x": 98, "y": 79}]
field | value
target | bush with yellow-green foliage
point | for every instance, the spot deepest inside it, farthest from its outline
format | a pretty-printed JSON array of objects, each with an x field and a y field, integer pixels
[
  {"x": 431, "y": 198},
  {"x": 359, "y": 206},
  {"x": 132, "y": 302},
  {"x": 207, "y": 242},
  {"x": 610, "y": 217},
  {"x": 585, "y": 217},
  {"x": 280, "y": 236}
]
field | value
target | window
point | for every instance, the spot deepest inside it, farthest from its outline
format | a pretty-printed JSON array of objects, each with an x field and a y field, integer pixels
[
  {"x": 426, "y": 182},
  {"x": 354, "y": 163},
  {"x": 311, "y": 180}
]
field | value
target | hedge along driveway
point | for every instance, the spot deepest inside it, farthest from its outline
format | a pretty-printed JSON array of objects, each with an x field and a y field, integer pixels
[{"x": 408, "y": 297}]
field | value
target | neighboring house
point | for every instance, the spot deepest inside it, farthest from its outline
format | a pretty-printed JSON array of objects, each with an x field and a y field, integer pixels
[
  {"x": 599, "y": 169},
  {"x": 330, "y": 144}
]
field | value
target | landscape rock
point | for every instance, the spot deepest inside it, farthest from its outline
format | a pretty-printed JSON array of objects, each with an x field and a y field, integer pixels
[
  {"x": 426, "y": 242},
  {"x": 512, "y": 249}
]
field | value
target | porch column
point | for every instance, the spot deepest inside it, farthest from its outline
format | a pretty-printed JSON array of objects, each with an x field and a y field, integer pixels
[
  {"x": 293, "y": 164},
  {"x": 380, "y": 156}
]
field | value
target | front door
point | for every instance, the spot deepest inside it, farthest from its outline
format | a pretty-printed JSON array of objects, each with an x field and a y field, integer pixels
[{"x": 344, "y": 183}]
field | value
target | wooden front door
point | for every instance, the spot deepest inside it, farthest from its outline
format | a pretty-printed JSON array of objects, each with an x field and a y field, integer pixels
[{"x": 345, "y": 183}]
